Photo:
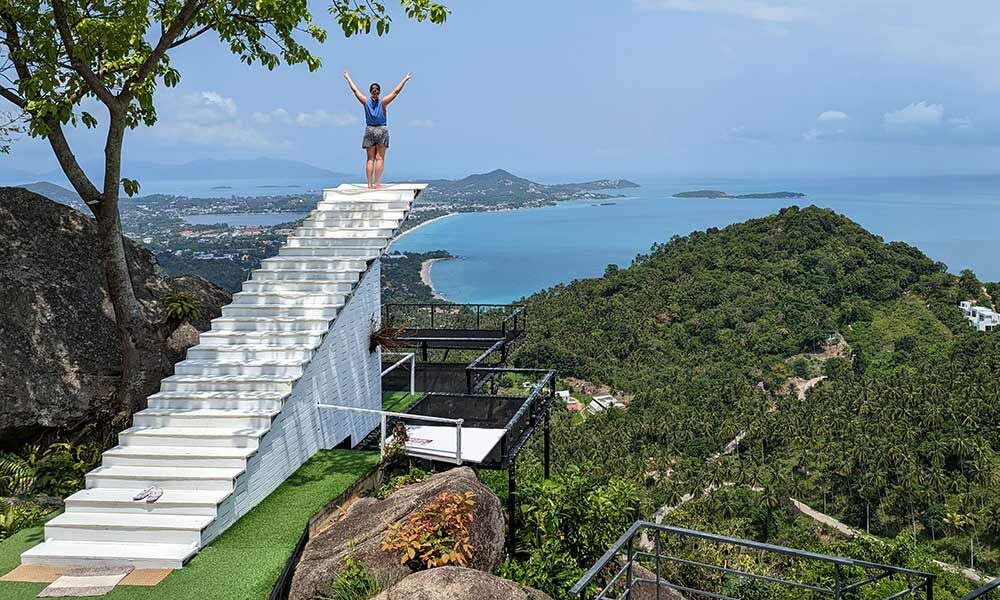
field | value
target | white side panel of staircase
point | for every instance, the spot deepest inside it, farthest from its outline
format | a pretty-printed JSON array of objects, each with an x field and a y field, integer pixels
[{"x": 341, "y": 372}]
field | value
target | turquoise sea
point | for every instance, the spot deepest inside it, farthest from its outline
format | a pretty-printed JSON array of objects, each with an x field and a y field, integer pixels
[{"x": 507, "y": 255}]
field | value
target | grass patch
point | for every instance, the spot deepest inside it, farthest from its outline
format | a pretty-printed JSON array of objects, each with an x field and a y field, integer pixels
[
  {"x": 398, "y": 401},
  {"x": 245, "y": 561}
]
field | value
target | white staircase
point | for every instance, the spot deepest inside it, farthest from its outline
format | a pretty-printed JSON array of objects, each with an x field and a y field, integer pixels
[{"x": 225, "y": 401}]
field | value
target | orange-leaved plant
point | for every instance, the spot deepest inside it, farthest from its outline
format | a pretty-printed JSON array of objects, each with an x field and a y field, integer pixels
[{"x": 435, "y": 535}]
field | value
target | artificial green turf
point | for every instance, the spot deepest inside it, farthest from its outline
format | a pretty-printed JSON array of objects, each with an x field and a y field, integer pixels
[
  {"x": 244, "y": 562},
  {"x": 398, "y": 401}
]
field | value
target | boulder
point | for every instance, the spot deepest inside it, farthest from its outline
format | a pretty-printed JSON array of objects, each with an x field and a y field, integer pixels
[
  {"x": 61, "y": 359},
  {"x": 456, "y": 583},
  {"x": 359, "y": 531}
]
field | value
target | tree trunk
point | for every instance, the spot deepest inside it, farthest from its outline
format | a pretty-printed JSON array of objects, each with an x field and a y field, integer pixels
[{"x": 141, "y": 349}]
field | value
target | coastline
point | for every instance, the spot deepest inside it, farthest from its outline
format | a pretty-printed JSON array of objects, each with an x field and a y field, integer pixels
[
  {"x": 425, "y": 275},
  {"x": 412, "y": 229}
]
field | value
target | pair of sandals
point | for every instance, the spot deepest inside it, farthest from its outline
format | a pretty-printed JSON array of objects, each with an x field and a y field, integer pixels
[{"x": 150, "y": 494}]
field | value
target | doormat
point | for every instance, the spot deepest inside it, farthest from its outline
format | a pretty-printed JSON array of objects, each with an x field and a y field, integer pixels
[
  {"x": 34, "y": 574},
  {"x": 91, "y": 581},
  {"x": 146, "y": 577}
]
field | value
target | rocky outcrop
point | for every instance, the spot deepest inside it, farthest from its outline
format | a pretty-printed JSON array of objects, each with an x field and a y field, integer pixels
[
  {"x": 359, "y": 532},
  {"x": 61, "y": 357},
  {"x": 456, "y": 583}
]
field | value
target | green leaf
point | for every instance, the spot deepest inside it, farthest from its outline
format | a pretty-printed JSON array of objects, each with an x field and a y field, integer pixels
[{"x": 131, "y": 186}]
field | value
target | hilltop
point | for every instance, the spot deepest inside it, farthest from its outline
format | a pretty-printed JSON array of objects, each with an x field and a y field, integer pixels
[
  {"x": 714, "y": 333},
  {"x": 715, "y": 194},
  {"x": 500, "y": 187}
]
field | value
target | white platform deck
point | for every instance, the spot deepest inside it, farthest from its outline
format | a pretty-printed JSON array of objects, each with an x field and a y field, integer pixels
[{"x": 440, "y": 443}]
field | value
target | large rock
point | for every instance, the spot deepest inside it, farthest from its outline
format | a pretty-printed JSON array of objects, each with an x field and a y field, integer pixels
[
  {"x": 456, "y": 583},
  {"x": 359, "y": 533},
  {"x": 61, "y": 358}
]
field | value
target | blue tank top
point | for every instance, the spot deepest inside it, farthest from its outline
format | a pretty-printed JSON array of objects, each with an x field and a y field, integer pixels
[{"x": 374, "y": 112}]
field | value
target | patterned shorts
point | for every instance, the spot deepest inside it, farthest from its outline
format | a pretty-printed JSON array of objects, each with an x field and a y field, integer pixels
[{"x": 376, "y": 135}]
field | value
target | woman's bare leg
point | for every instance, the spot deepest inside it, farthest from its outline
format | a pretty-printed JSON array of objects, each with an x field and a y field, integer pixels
[
  {"x": 370, "y": 165},
  {"x": 379, "y": 164}
]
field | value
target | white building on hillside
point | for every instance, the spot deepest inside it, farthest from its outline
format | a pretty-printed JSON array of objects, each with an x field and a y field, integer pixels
[
  {"x": 981, "y": 317},
  {"x": 602, "y": 403}
]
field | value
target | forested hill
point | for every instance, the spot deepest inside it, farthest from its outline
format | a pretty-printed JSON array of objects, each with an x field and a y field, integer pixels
[
  {"x": 738, "y": 301},
  {"x": 721, "y": 338}
]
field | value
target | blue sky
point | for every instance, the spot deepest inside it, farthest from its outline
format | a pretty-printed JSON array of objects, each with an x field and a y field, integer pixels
[{"x": 579, "y": 88}]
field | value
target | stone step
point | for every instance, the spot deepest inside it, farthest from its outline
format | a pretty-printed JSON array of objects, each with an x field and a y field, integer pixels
[
  {"x": 310, "y": 274},
  {"x": 329, "y": 243},
  {"x": 306, "y": 285},
  {"x": 119, "y": 500},
  {"x": 355, "y": 250},
  {"x": 167, "y": 478},
  {"x": 355, "y": 204},
  {"x": 224, "y": 364},
  {"x": 228, "y": 383},
  {"x": 279, "y": 356},
  {"x": 288, "y": 298},
  {"x": 207, "y": 417},
  {"x": 314, "y": 236},
  {"x": 353, "y": 193},
  {"x": 191, "y": 436},
  {"x": 59, "y": 553},
  {"x": 126, "y": 527},
  {"x": 345, "y": 263},
  {"x": 177, "y": 456},
  {"x": 328, "y": 312},
  {"x": 218, "y": 400},
  {"x": 311, "y": 339},
  {"x": 262, "y": 324},
  {"x": 320, "y": 222}
]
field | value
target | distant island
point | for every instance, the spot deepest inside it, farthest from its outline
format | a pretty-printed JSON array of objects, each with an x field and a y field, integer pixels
[{"x": 718, "y": 194}]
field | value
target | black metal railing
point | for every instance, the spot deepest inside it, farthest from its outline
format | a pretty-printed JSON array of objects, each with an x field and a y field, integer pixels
[
  {"x": 658, "y": 560},
  {"x": 990, "y": 590},
  {"x": 507, "y": 318}
]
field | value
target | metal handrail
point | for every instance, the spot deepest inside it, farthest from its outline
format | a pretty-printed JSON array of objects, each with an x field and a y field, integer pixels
[
  {"x": 407, "y": 356},
  {"x": 983, "y": 591},
  {"x": 386, "y": 414},
  {"x": 516, "y": 310},
  {"x": 925, "y": 581}
]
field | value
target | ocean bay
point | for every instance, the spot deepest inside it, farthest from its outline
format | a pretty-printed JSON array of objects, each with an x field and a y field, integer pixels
[{"x": 505, "y": 255}]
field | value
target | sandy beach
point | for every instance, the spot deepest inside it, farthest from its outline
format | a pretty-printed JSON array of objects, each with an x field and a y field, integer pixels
[{"x": 425, "y": 276}]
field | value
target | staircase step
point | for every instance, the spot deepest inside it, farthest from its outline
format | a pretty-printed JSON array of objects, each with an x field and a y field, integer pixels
[
  {"x": 263, "y": 338},
  {"x": 314, "y": 236},
  {"x": 355, "y": 250},
  {"x": 322, "y": 263},
  {"x": 293, "y": 355},
  {"x": 228, "y": 383},
  {"x": 245, "y": 437},
  {"x": 249, "y": 418},
  {"x": 142, "y": 556},
  {"x": 233, "y": 364},
  {"x": 119, "y": 500},
  {"x": 288, "y": 298},
  {"x": 167, "y": 478},
  {"x": 302, "y": 285},
  {"x": 178, "y": 456},
  {"x": 328, "y": 312},
  {"x": 318, "y": 222},
  {"x": 257, "y": 324},
  {"x": 218, "y": 400},
  {"x": 127, "y": 527}
]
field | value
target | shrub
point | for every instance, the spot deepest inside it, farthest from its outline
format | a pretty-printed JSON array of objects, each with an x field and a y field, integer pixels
[
  {"x": 181, "y": 306},
  {"x": 58, "y": 470},
  {"x": 396, "y": 449},
  {"x": 354, "y": 582},
  {"x": 386, "y": 334},
  {"x": 394, "y": 483},
  {"x": 17, "y": 516},
  {"x": 435, "y": 535}
]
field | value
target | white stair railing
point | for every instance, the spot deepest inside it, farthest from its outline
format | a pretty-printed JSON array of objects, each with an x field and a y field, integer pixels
[{"x": 407, "y": 357}]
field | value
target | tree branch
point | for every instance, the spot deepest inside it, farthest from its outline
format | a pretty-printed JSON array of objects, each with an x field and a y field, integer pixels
[
  {"x": 70, "y": 166},
  {"x": 66, "y": 35},
  {"x": 13, "y": 98},
  {"x": 179, "y": 24},
  {"x": 187, "y": 38}
]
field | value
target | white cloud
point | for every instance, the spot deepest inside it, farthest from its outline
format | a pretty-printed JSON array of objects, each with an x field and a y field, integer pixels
[
  {"x": 230, "y": 134},
  {"x": 914, "y": 117},
  {"x": 278, "y": 115},
  {"x": 748, "y": 9},
  {"x": 819, "y": 135},
  {"x": 832, "y": 115},
  {"x": 227, "y": 105},
  {"x": 423, "y": 123},
  {"x": 321, "y": 118}
]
